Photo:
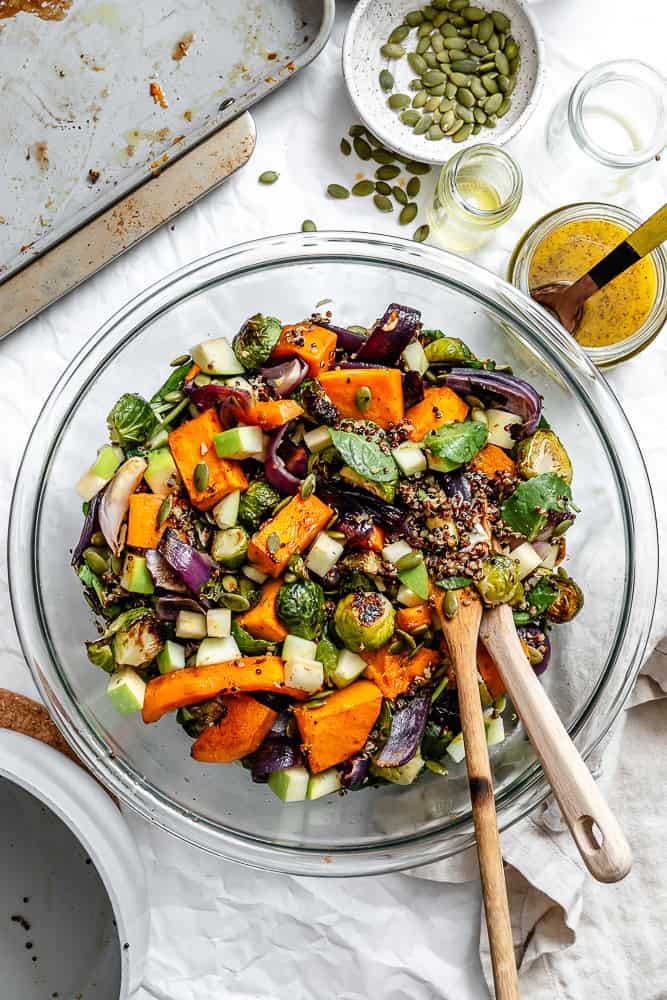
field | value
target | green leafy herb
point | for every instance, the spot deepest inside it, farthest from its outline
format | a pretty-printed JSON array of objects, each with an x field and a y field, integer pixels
[
  {"x": 527, "y": 509},
  {"x": 89, "y": 579},
  {"x": 248, "y": 645},
  {"x": 175, "y": 381},
  {"x": 542, "y": 595},
  {"x": 366, "y": 458},
  {"x": 455, "y": 444},
  {"x": 454, "y": 582},
  {"x": 434, "y": 744}
]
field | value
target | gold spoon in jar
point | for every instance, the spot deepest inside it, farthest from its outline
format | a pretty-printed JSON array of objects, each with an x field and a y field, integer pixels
[{"x": 567, "y": 301}]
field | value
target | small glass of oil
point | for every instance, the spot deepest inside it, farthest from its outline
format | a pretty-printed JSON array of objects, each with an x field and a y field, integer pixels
[{"x": 478, "y": 190}]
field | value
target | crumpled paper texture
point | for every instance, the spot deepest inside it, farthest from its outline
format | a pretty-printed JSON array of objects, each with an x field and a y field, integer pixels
[{"x": 221, "y": 930}]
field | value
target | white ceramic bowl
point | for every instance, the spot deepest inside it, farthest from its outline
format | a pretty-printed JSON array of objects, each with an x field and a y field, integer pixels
[
  {"x": 74, "y": 919},
  {"x": 368, "y": 29}
]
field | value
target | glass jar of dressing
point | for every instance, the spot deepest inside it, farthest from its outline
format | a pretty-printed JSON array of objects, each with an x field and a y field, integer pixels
[
  {"x": 613, "y": 122},
  {"x": 478, "y": 190},
  {"x": 623, "y": 317}
]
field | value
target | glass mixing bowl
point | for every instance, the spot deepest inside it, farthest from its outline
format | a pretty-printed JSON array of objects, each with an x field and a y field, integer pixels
[{"x": 613, "y": 548}]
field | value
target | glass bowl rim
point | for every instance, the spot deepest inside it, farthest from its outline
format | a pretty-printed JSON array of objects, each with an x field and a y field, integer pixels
[{"x": 506, "y": 302}]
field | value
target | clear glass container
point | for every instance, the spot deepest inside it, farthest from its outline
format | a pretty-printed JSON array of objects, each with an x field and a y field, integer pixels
[
  {"x": 478, "y": 190},
  {"x": 595, "y": 658},
  {"x": 520, "y": 263},
  {"x": 610, "y": 124}
]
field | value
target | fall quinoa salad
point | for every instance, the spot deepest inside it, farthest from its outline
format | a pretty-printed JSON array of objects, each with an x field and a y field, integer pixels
[{"x": 266, "y": 541}]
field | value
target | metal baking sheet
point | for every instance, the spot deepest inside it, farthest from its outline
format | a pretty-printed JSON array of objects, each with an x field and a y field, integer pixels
[{"x": 98, "y": 95}]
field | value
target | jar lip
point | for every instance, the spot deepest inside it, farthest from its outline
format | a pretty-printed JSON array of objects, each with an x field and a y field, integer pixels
[
  {"x": 519, "y": 269},
  {"x": 629, "y": 71},
  {"x": 450, "y": 172}
]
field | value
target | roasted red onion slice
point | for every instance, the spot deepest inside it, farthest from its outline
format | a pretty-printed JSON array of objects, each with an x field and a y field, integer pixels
[
  {"x": 505, "y": 391},
  {"x": 354, "y": 772},
  {"x": 167, "y": 608},
  {"x": 286, "y": 377},
  {"x": 275, "y": 468},
  {"x": 116, "y": 500},
  {"x": 88, "y": 529},
  {"x": 390, "y": 335},
  {"x": 405, "y": 735},
  {"x": 161, "y": 572},
  {"x": 193, "y": 567},
  {"x": 274, "y": 755}
]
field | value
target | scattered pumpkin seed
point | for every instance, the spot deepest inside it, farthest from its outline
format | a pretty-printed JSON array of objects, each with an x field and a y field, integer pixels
[
  {"x": 432, "y": 104},
  {"x": 308, "y": 486},
  {"x": 398, "y": 101},
  {"x": 456, "y": 42},
  {"x": 437, "y": 42},
  {"x": 386, "y": 80},
  {"x": 493, "y": 43},
  {"x": 500, "y": 20},
  {"x": 383, "y": 156},
  {"x": 511, "y": 49},
  {"x": 408, "y": 215},
  {"x": 435, "y": 133},
  {"x": 492, "y": 103},
  {"x": 504, "y": 107},
  {"x": 337, "y": 191},
  {"x": 414, "y": 18},
  {"x": 477, "y": 48},
  {"x": 200, "y": 476},
  {"x": 479, "y": 115},
  {"x": 462, "y": 134},
  {"x": 476, "y": 129},
  {"x": 363, "y": 188},
  {"x": 433, "y": 77},
  {"x": 465, "y": 97},
  {"x": 421, "y": 234},
  {"x": 419, "y": 100},
  {"x": 382, "y": 188},
  {"x": 361, "y": 148},
  {"x": 235, "y": 602},
  {"x": 414, "y": 186},
  {"x": 175, "y": 396},
  {"x": 423, "y": 45},
  {"x": 180, "y": 360},
  {"x": 473, "y": 13},
  {"x": 399, "y": 34},
  {"x": 382, "y": 203},
  {"x": 423, "y": 125},
  {"x": 416, "y": 167},
  {"x": 489, "y": 81},
  {"x": 345, "y": 147},
  {"x": 485, "y": 29},
  {"x": 400, "y": 195},
  {"x": 273, "y": 542},
  {"x": 387, "y": 172},
  {"x": 415, "y": 85},
  {"x": 391, "y": 50},
  {"x": 165, "y": 510},
  {"x": 356, "y": 130},
  {"x": 464, "y": 65},
  {"x": 458, "y": 80},
  {"x": 363, "y": 396},
  {"x": 417, "y": 64},
  {"x": 308, "y": 226},
  {"x": 450, "y": 604},
  {"x": 450, "y": 89},
  {"x": 502, "y": 63},
  {"x": 268, "y": 177}
]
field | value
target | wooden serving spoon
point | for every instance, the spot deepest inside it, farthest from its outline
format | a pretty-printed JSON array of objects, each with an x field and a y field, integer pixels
[
  {"x": 461, "y": 632},
  {"x": 607, "y": 856},
  {"x": 567, "y": 301}
]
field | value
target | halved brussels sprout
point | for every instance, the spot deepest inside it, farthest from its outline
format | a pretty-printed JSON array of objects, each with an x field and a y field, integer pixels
[
  {"x": 131, "y": 420},
  {"x": 256, "y": 339},
  {"x": 256, "y": 503},
  {"x": 570, "y": 599},
  {"x": 543, "y": 452},
  {"x": 364, "y": 620},
  {"x": 500, "y": 582},
  {"x": 448, "y": 350},
  {"x": 196, "y": 718},
  {"x": 100, "y": 654},
  {"x": 300, "y": 607}
]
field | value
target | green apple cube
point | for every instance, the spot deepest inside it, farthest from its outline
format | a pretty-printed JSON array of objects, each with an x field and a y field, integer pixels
[
  {"x": 527, "y": 557},
  {"x": 216, "y": 651},
  {"x": 495, "y": 727},
  {"x": 407, "y": 597},
  {"x": 324, "y": 554},
  {"x": 415, "y": 357},
  {"x": 498, "y": 421},
  {"x": 190, "y": 625},
  {"x": 318, "y": 439},
  {"x": 161, "y": 474},
  {"x": 226, "y": 512},
  {"x": 296, "y": 648},
  {"x": 349, "y": 666},
  {"x": 409, "y": 459},
  {"x": 304, "y": 675},
  {"x": 254, "y": 574},
  {"x": 238, "y": 442},
  {"x": 100, "y": 472},
  {"x": 456, "y": 749},
  {"x": 135, "y": 576},
  {"x": 171, "y": 657},
  {"x": 126, "y": 691},
  {"x": 323, "y": 783},
  {"x": 290, "y": 784},
  {"x": 219, "y": 623},
  {"x": 216, "y": 357},
  {"x": 395, "y": 551}
]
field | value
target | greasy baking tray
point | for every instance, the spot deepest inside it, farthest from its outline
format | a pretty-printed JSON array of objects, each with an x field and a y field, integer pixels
[{"x": 95, "y": 97}]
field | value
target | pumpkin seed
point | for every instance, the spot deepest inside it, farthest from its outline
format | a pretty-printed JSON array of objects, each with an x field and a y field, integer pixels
[
  {"x": 98, "y": 539},
  {"x": 421, "y": 234},
  {"x": 361, "y": 148},
  {"x": 95, "y": 561},
  {"x": 450, "y": 604},
  {"x": 417, "y": 64},
  {"x": 448, "y": 31},
  {"x": 345, "y": 147},
  {"x": 308, "y": 486},
  {"x": 409, "y": 117},
  {"x": 450, "y": 90},
  {"x": 514, "y": 65},
  {"x": 356, "y": 130},
  {"x": 431, "y": 60},
  {"x": 502, "y": 63},
  {"x": 435, "y": 133},
  {"x": 503, "y": 82},
  {"x": 308, "y": 226},
  {"x": 442, "y": 58},
  {"x": 504, "y": 107},
  {"x": 165, "y": 510},
  {"x": 273, "y": 542},
  {"x": 465, "y": 97},
  {"x": 437, "y": 42},
  {"x": 489, "y": 82},
  {"x": 477, "y": 88},
  {"x": 408, "y": 214},
  {"x": 415, "y": 167},
  {"x": 173, "y": 397},
  {"x": 200, "y": 476},
  {"x": 268, "y": 177},
  {"x": 363, "y": 396},
  {"x": 493, "y": 43},
  {"x": 465, "y": 114},
  {"x": 382, "y": 188},
  {"x": 488, "y": 66},
  {"x": 454, "y": 127},
  {"x": 491, "y": 104},
  {"x": 386, "y": 81},
  {"x": 464, "y": 66},
  {"x": 459, "y": 80},
  {"x": 512, "y": 85},
  {"x": 391, "y": 50},
  {"x": 362, "y": 188},
  {"x": 180, "y": 360},
  {"x": 414, "y": 18},
  {"x": 436, "y": 117},
  {"x": 423, "y": 45},
  {"x": 480, "y": 117},
  {"x": 400, "y": 195},
  {"x": 438, "y": 91},
  {"x": 477, "y": 48},
  {"x": 447, "y": 121},
  {"x": 457, "y": 5},
  {"x": 235, "y": 602},
  {"x": 382, "y": 203},
  {"x": 424, "y": 31},
  {"x": 414, "y": 186},
  {"x": 399, "y": 34},
  {"x": 398, "y": 101},
  {"x": 229, "y": 583},
  {"x": 502, "y": 37},
  {"x": 485, "y": 30},
  {"x": 423, "y": 125},
  {"x": 396, "y": 647},
  {"x": 476, "y": 129},
  {"x": 416, "y": 85},
  {"x": 337, "y": 191},
  {"x": 419, "y": 100},
  {"x": 462, "y": 133},
  {"x": 511, "y": 49},
  {"x": 458, "y": 21},
  {"x": 433, "y": 77},
  {"x": 490, "y": 122},
  {"x": 500, "y": 20},
  {"x": 455, "y": 42},
  {"x": 387, "y": 172},
  {"x": 446, "y": 105},
  {"x": 432, "y": 104},
  {"x": 382, "y": 156},
  {"x": 429, "y": 13}
]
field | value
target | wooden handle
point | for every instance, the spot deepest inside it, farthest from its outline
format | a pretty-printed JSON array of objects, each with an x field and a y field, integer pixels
[
  {"x": 605, "y": 851},
  {"x": 494, "y": 889},
  {"x": 647, "y": 237},
  {"x": 650, "y": 234}
]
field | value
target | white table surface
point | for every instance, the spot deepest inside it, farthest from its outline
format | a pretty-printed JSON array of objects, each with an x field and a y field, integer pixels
[{"x": 430, "y": 950}]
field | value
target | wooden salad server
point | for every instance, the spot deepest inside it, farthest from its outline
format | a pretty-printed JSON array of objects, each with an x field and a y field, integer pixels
[
  {"x": 567, "y": 301},
  {"x": 461, "y": 632},
  {"x": 607, "y": 856}
]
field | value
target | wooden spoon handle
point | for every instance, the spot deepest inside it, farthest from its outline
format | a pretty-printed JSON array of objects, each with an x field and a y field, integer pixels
[
  {"x": 606, "y": 852},
  {"x": 636, "y": 245},
  {"x": 488, "y": 841}
]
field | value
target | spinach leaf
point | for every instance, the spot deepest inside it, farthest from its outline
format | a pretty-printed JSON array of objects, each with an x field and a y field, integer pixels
[
  {"x": 454, "y": 582},
  {"x": 527, "y": 509},
  {"x": 455, "y": 444},
  {"x": 434, "y": 744},
  {"x": 248, "y": 645},
  {"x": 542, "y": 595},
  {"x": 366, "y": 458},
  {"x": 89, "y": 579}
]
